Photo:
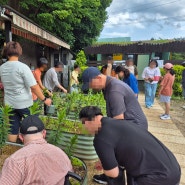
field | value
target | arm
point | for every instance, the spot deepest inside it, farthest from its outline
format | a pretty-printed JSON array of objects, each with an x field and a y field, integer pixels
[
  {"x": 117, "y": 105},
  {"x": 112, "y": 173},
  {"x": 43, "y": 88},
  {"x": 108, "y": 162},
  {"x": 75, "y": 79},
  {"x": 120, "y": 116},
  {"x": 144, "y": 75},
  {"x": 35, "y": 89},
  {"x": 134, "y": 84},
  {"x": 109, "y": 69},
  {"x": 56, "y": 82},
  {"x": 135, "y": 72},
  {"x": 162, "y": 85}
]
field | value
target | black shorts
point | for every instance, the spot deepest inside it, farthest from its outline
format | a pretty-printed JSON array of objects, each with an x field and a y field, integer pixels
[{"x": 15, "y": 119}]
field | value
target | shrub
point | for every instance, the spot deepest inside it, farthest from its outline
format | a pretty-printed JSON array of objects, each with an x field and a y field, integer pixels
[{"x": 81, "y": 59}]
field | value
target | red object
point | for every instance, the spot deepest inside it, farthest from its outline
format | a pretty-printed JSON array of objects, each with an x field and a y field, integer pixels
[{"x": 156, "y": 78}]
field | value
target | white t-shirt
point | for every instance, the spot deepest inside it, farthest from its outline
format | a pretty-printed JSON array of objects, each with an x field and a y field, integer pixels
[
  {"x": 150, "y": 73},
  {"x": 17, "y": 79}
]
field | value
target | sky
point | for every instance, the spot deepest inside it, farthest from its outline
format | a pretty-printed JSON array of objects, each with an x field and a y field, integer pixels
[{"x": 145, "y": 19}]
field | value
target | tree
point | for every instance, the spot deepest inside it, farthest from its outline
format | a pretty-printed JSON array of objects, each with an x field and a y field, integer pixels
[
  {"x": 81, "y": 59},
  {"x": 78, "y": 22}
]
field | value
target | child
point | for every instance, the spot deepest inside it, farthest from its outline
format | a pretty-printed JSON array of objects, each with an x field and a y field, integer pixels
[
  {"x": 128, "y": 78},
  {"x": 166, "y": 90}
]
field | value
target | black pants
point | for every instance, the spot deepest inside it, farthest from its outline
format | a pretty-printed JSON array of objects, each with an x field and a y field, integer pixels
[{"x": 151, "y": 180}]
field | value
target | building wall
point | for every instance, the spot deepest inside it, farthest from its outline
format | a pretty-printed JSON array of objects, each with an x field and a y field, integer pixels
[{"x": 29, "y": 55}]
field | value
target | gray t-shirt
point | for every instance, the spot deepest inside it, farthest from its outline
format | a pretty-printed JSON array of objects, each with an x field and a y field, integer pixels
[
  {"x": 17, "y": 79},
  {"x": 51, "y": 79},
  {"x": 120, "y": 99}
]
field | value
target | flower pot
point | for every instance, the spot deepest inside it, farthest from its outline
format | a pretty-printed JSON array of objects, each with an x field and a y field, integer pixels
[
  {"x": 84, "y": 176},
  {"x": 83, "y": 149}
]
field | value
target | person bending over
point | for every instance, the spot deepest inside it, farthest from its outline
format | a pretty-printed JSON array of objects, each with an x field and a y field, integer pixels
[{"x": 123, "y": 143}]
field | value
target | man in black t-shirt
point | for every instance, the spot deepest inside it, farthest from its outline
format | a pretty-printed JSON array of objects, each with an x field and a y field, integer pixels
[
  {"x": 121, "y": 102},
  {"x": 123, "y": 143}
]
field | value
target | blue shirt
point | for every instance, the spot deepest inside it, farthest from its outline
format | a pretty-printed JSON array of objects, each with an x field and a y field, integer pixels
[{"x": 132, "y": 82}]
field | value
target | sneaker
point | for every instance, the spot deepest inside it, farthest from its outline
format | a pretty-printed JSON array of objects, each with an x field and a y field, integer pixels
[
  {"x": 183, "y": 107},
  {"x": 101, "y": 179},
  {"x": 148, "y": 107},
  {"x": 165, "y": 117},
  {"x": 162, "y": 115}
]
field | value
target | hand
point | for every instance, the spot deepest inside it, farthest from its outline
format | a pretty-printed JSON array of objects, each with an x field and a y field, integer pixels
[
  {"x": 49, "y": 93},
  {"x": 116, "y": 76},
  {"x": 150, "y": 79},
  {"x": 64, "y": 90},
  {"x": 98, "y": 166},
  {"x": 48, "y": 101}
]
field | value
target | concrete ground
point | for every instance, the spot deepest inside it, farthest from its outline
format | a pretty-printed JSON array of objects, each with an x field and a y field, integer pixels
[{"x": 167, "y": 132}]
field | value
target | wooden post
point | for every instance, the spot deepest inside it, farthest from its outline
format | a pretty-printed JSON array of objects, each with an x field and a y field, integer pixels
[{"x": 8, "y": 32}]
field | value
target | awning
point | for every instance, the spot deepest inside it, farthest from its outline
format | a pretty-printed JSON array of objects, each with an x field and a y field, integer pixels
[{"x": 27, "y": 29}]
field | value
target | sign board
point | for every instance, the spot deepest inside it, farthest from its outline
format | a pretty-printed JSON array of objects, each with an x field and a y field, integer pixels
[
  {"x": 160, "y": 63},
  {"x": 118, "y": 56}
]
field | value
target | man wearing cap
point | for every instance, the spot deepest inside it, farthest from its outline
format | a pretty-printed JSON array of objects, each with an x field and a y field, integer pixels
[
  {"x": 121, "y": 102},
  {"x": 42, "y": 66},
  {"x": 37, "y": 162}
]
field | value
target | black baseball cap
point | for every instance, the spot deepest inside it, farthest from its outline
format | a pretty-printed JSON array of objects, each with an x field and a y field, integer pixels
[
  {"x": 31, "y": 125},
  {"x": 88, "y": 75}
]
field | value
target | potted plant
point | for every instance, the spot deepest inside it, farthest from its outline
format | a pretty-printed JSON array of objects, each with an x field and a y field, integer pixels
[{"x": 5, "y": 112}]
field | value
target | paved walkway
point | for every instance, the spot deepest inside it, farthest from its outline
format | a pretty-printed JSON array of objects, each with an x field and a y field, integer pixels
[{"x": 167, "y": 132}]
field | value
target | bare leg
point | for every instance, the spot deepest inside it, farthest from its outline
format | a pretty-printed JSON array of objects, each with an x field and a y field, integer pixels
[
  {"x": 12, "y": 138},
  {"x": 167, "y": 108}
]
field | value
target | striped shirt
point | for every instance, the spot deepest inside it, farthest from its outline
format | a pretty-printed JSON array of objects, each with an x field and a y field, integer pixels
[{"x": 37, "y": 163}]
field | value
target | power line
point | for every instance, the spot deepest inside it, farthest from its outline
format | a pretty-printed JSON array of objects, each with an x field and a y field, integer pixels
[
  {"x": 146, "y": 4},
  {"x": 166, "y": 18}
]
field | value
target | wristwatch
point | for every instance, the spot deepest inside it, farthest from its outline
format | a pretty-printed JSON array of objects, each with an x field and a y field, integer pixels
[{"x": 44, "y": 99}]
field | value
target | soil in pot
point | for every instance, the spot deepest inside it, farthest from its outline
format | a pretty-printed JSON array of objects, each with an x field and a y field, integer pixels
[{"x": 6, "y": 151}]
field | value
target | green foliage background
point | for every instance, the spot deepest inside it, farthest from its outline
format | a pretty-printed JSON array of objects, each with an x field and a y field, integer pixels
[
  {"x": 177, "y": 89},
  {"x": 78, "y": 22}
]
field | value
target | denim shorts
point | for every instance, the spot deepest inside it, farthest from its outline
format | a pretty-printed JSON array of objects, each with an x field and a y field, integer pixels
[
  {"x": 16, "y": 118},
  {"x": 165, "y": 99}
]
